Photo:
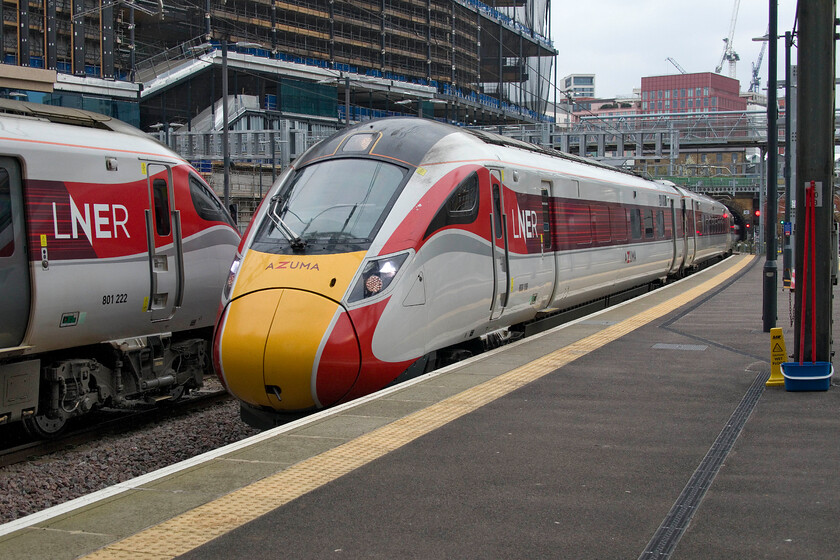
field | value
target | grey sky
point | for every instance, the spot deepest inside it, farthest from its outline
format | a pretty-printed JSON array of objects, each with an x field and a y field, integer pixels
[{"x": 622, "y": 40}]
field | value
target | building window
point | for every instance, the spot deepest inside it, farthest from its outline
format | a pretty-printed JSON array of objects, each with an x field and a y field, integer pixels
[
  {"x": 644, "y": 95},
  {"x": 659, "y": 94},
  {"x": 667, "y": 94},
  {"x": 714, "y": 101},
  {"x": 682, "y": 103},
  {"x": 705, "y": 91},
  {"x": 705, "y": 102},
  {"x": 682, "y": 93},
  {"x": 644, "y": 105},
  {"x": 690, "y": 92},
  {"x": 659, "y": 105},
  {"x": 698, "y": 92},
  {"x": 676, "y": 92},
  {"x": 690, "y": 103}
]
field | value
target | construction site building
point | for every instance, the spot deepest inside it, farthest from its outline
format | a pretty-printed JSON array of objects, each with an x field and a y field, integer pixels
[{"x": 158, "y": 63}]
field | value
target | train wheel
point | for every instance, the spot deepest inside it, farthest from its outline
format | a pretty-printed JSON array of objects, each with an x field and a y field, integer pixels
[{"x": 43, "y": 427}]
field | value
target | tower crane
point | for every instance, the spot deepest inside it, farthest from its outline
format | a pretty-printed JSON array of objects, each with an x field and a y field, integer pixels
[
  {"x": 755, "y": 82},
  {"x": 729, "y": 53},
  {"x": 676, "y": 65}
]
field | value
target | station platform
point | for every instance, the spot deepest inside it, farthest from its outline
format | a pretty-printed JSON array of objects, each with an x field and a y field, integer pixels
[{"x": 644, "y": 431}]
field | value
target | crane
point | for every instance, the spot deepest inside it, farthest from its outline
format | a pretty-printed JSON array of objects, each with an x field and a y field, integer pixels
[
  {"x": 729, "y": 53},
  {"x": 755, "y": 82},
  {"x": 676, "y": 65}
]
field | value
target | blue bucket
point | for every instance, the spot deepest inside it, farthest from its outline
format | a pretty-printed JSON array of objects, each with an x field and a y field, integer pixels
[{"x": 808, "y": 376}]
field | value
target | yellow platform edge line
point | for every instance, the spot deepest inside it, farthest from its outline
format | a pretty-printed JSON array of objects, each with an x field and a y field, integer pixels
[{"x": 198, "y": 526}]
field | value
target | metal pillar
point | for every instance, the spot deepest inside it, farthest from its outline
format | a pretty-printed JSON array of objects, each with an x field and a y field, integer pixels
[
  {"x": 787, "y": 251},
  {"x": 347, "y": 101},
  {"x": 771, "y": 272},
  {"x": 225, "y": 133},
  {"x": 762, "y": 201},
  {"x": 131, "y": 43},
  {"x": 815, "y": 162}
]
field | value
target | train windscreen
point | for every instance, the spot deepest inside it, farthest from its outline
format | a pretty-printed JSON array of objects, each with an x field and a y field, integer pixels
[{"x": 330, "y": 207}]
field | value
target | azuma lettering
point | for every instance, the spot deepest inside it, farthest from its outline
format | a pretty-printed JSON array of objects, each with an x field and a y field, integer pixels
[{"x": 292, "y": 265}]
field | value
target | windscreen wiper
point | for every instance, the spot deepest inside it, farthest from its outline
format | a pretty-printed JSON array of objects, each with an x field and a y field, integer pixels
[{"x": 294, "y": 239}]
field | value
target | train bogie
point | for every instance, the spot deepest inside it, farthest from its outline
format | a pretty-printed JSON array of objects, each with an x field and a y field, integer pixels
[
  {"x": 399, "y": 243},
  {"x": 116, "y": 255}
]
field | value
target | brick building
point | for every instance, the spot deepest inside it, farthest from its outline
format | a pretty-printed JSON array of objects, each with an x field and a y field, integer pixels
[{"x": 691, "y": 93}]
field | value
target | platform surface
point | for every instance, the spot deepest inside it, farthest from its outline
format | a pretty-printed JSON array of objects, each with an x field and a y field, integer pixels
[{"x": 645, "y": 431}]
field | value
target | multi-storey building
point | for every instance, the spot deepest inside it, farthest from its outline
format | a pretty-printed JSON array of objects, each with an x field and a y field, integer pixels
[
  {"x": 578, "y": 85},
  {"x": 462, "y": 60},
  {"x": 691, "y": 93}
]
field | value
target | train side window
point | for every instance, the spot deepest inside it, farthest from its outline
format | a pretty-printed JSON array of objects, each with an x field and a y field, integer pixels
[
  {"x": 660, "y": 224},
  {"x": 600, "y": 217},
  {"x": 7, "y": 236},
  {"x": 648, "y": 224},
  {"x": 636, "y": 223},
  {"x": 618, "y": 223},
  {"x": 163, "y": 224},
  {"x": 580, "y": 225},
  {"x": 463, "y": 203},
  {"x": 207, "y": 206},
  {"x": 460, "y": 208}
]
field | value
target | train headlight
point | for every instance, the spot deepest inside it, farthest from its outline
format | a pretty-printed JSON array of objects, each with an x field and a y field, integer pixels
[
  {"x": 231, "y": 279},
  {"x": 376, "y": 277}
]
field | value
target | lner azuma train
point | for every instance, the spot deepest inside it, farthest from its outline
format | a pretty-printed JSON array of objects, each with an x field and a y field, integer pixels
[
  {"x": 113, "y": 254},
  {"x": 398, "y": 241}
]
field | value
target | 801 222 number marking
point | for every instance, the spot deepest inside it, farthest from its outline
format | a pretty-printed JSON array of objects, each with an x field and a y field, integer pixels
[{"x": 114, "y": 298}]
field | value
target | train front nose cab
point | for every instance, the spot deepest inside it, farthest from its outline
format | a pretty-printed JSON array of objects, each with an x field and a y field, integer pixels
[{"x": 288, "y": 349}]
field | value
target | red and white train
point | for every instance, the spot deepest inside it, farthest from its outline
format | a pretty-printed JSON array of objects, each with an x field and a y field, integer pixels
[
  {"x": 396, "y": 241},
  {"x": 113, "y": 253}
]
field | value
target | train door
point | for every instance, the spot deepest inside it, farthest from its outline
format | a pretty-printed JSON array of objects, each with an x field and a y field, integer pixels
[
  {"x": 548, "y": 262},
  {"x": 499, "y": 246},
  {"x": 14, "y": 264},
  {"x": 690, "y": 232},
  {"x": 675, "y": 258},
  {"x": 163, "y": 236}
]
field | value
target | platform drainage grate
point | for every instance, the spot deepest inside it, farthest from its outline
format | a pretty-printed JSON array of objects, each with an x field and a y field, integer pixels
[{"x": 665, "y": 540}]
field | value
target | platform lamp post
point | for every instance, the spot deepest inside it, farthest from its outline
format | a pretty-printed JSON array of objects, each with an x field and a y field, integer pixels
[{"x": 771, "y": 272}]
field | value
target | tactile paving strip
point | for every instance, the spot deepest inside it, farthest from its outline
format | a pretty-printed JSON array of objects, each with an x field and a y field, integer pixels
[{"x": 204, "y": 523}]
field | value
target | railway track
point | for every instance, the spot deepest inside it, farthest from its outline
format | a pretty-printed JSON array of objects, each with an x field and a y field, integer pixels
[{"x": 112, "y": 421}]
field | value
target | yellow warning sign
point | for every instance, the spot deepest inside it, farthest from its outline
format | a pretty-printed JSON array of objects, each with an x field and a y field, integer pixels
[{"x": 777, "y": 356}]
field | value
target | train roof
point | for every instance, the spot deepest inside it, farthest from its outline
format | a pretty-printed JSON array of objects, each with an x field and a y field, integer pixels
[
  {"x": 499, "y": 140},
  {"x": 424, "y": 133},
  {"x": 66, "y": 115}
]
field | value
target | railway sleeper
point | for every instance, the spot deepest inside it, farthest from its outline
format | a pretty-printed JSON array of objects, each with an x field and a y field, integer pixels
[{"x": 122, "y": 373}]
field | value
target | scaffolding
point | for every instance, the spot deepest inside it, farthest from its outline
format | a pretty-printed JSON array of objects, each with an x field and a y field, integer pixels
[{"x": 474, "y": 49}]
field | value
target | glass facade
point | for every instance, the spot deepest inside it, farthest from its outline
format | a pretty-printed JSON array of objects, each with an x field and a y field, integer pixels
[{"x": 126, "y": 111}]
